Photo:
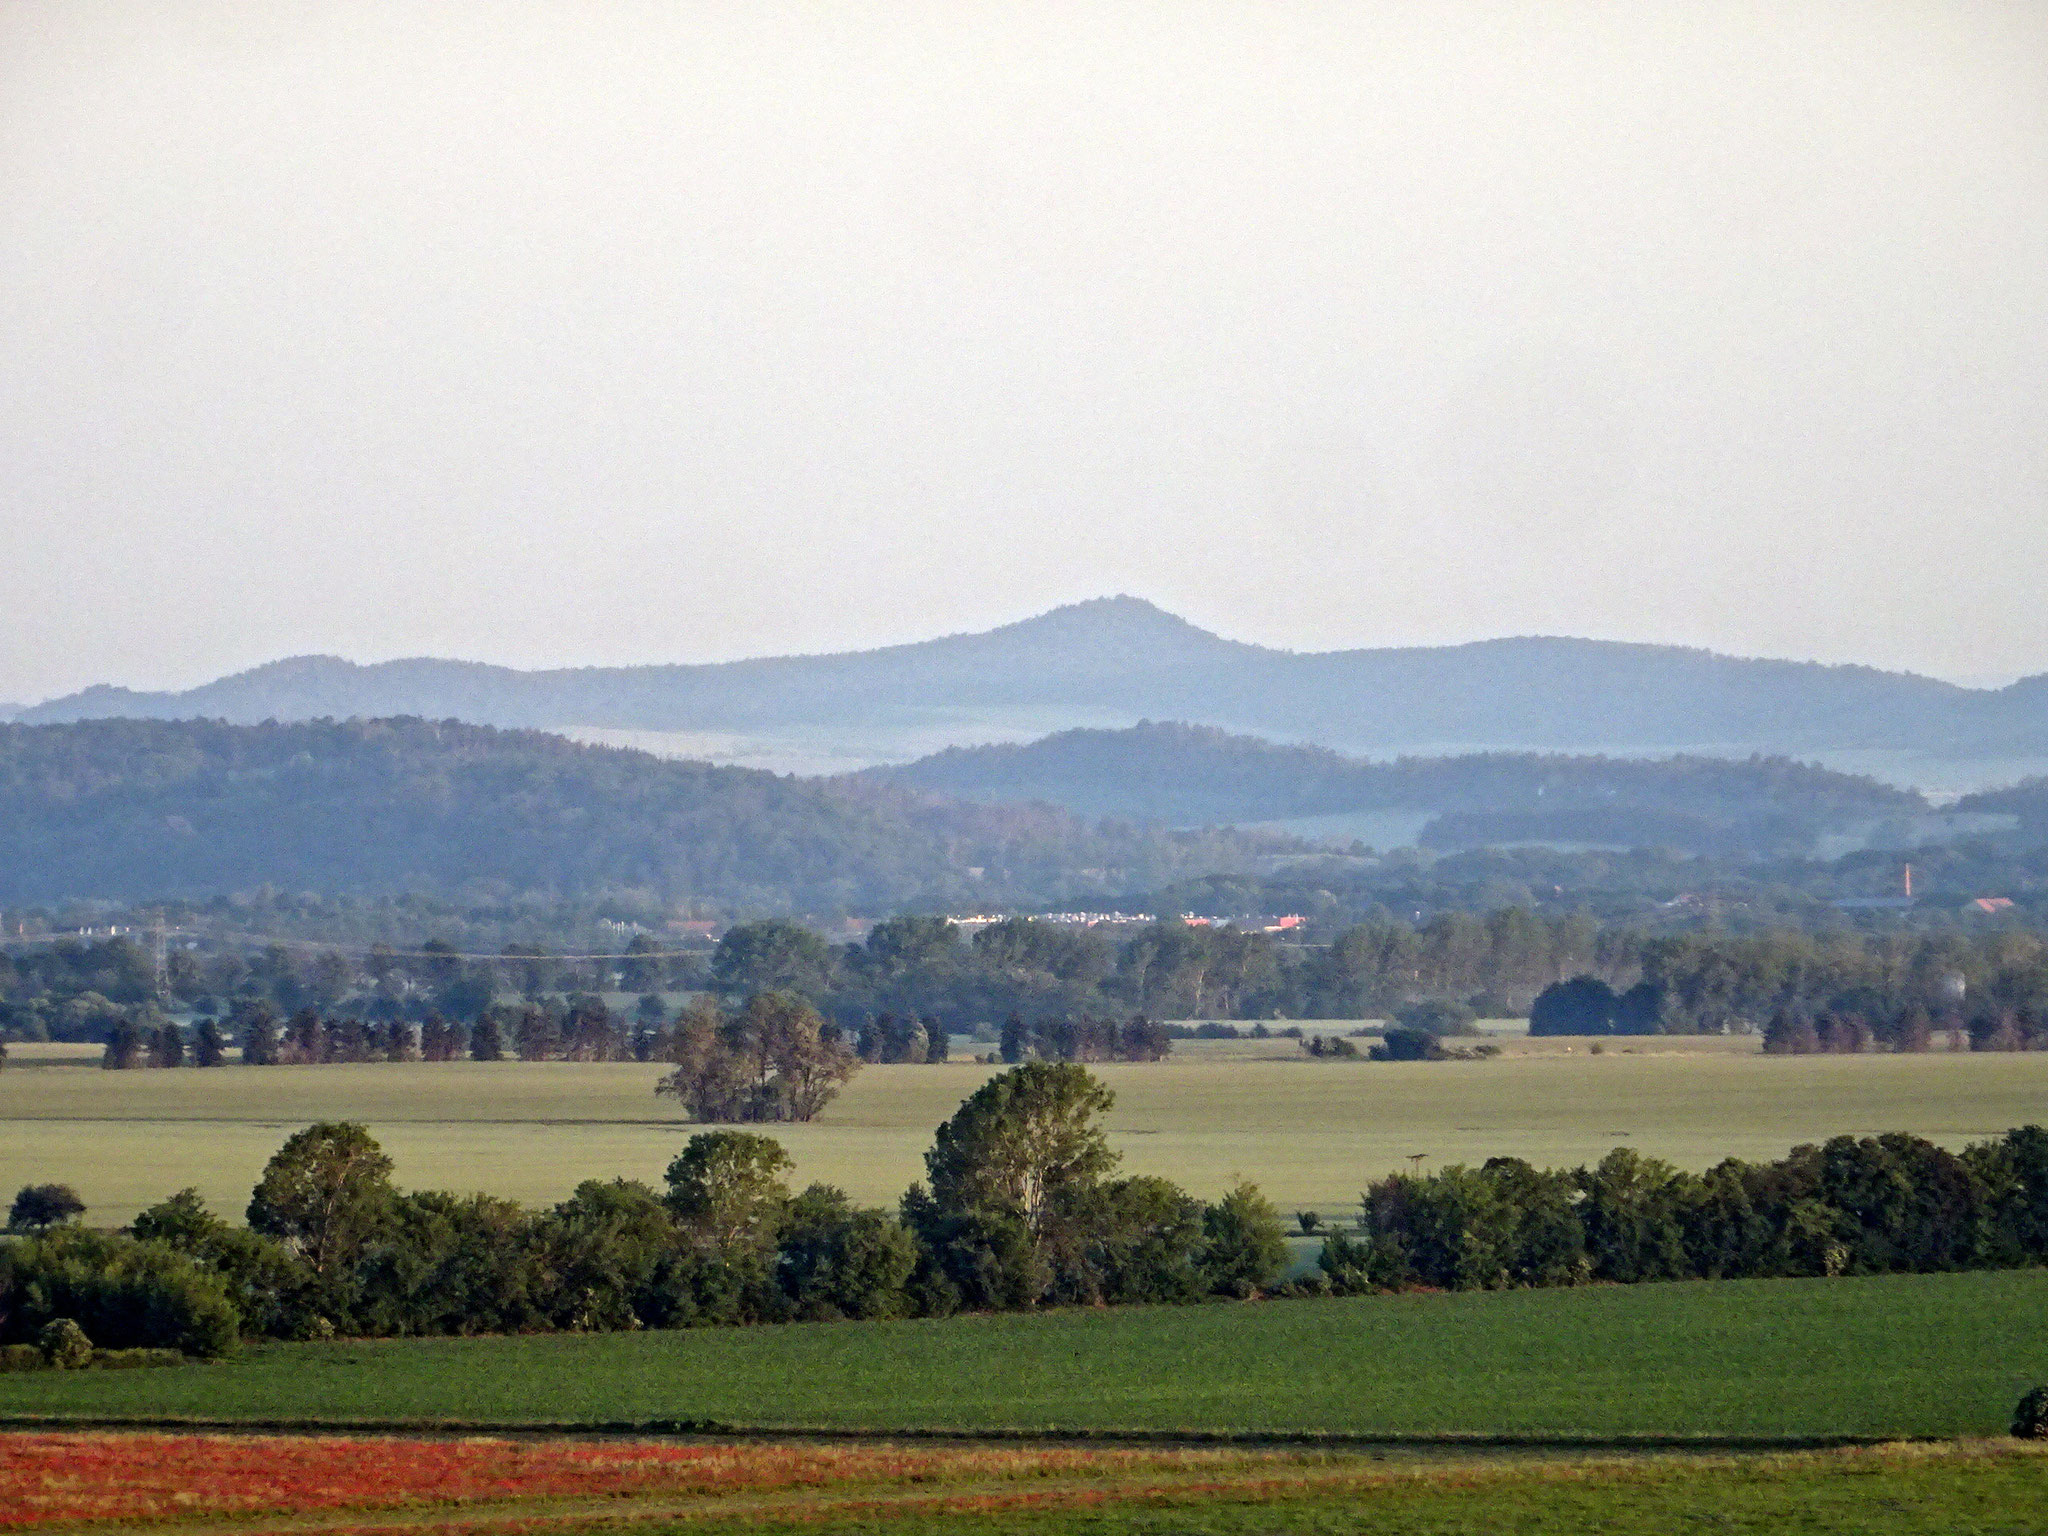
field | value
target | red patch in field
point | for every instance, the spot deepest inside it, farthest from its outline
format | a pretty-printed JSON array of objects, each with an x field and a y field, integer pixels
[{"x": 48, "y": 1478}]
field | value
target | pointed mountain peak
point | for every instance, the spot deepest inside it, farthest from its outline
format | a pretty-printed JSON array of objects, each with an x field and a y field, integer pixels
[{"x": 1120, "y": 620}]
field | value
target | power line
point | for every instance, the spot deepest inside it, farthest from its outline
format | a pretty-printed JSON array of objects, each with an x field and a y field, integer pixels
[
  {"x": 448, "y": 954},
  {"x": 157, "y": 936}
]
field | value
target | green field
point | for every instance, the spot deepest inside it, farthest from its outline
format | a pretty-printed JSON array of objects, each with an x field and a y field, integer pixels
[
  {"x": 1895, "y": 1494},
  {"x": 1311, "y": 1133},
  {"x": 1906, "y": 1355}
]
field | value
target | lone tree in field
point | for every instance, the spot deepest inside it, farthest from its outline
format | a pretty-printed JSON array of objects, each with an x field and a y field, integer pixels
[
  {"x": 39, "y": 1207},
  {"x": 1025, "y": 1139},
  {"x": 326, "y": 1193}
]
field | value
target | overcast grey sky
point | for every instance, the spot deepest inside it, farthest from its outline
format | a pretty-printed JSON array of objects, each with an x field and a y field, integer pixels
[{"x": 567, "y": 333}]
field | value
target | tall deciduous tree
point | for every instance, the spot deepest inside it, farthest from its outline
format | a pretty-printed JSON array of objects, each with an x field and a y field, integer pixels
[
  {"x": 326, "y": 1193},
  {"x": 1021, "y": 1142},
  {"x": 726, "y": 1190}
]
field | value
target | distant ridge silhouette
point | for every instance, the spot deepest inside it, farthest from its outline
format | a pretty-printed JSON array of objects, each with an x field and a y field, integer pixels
[{"x": 1124, "y": 657}]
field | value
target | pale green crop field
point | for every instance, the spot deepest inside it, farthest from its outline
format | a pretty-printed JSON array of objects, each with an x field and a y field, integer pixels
[{"x": 1311, "y": 1133}]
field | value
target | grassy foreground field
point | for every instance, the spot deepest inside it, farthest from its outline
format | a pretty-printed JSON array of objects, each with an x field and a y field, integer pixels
[
  {"x": 1311, "y": 1133},
  {"x": 1777, "y": 1360},
  {"x": 85, "y": 1483}
]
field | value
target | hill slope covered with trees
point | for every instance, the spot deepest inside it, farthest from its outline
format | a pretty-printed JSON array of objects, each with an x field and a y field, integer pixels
[
  {"x": 1197, "y": 775},
  {"x": 128, "y": 809}
]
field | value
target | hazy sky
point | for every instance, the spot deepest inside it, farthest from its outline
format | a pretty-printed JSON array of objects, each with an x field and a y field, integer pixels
[{"x": 566, "y": 333}]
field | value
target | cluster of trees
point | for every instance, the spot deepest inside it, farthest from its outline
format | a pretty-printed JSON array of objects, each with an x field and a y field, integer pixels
[
  {"x": 906, "y": 1039},
  {"x": 1875, "y": 1205},
  {"x": 71, "y": 989},
  {"x": 920, "y": 968},
  {"x": 1084, "y": 1039},
  {"x": 1023, "y": 1206},
  {"x": 1804, "y": 993},
  {"x": 144, "y": 1041},
  {"x": 774, "y": 1059}
]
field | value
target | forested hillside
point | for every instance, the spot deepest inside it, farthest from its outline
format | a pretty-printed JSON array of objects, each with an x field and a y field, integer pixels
[
  {"x": 1197, "y": 775},
  {"x": 2027, "y": 800},
  {"x": 126, "y": 809}
]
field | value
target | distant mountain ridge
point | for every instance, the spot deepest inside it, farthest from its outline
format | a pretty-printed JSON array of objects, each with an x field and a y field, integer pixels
[{"x": 1123, "y": 657}]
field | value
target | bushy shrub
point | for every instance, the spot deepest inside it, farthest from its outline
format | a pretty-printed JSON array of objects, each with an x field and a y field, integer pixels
[
  {"x": 1245, "y": 1247},
  {"x": 22, "y": 1357},
  {"x": 2030, "y": 1416},
  {"x": 271, "y": 1287},
  {"x": 1402, "y": 1044},
  {"x": 125, "y": 1294},
  {"x": 1582, "y": 1005},
  {"x": 1126, "y": 1241},
  {"x": 1330, "y": 1048},
  {"x": 64, "y": 1345}
]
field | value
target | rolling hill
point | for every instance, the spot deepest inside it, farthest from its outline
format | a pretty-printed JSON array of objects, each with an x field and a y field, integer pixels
[
  {"x": 129, "y": 809},
  {"x": 1119, "y": 660},
  {"x": 1198, "y": 775}
]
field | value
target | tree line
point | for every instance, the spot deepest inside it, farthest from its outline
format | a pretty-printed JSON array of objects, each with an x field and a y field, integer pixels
[
  {"x": 1805, "y": 994},
  {"x": 1022, "y": 1205},
  {"x": 773, "y": 1058},
  {"x": 923, "y": 974},
  {"x": 1892, "y": 1204}
]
